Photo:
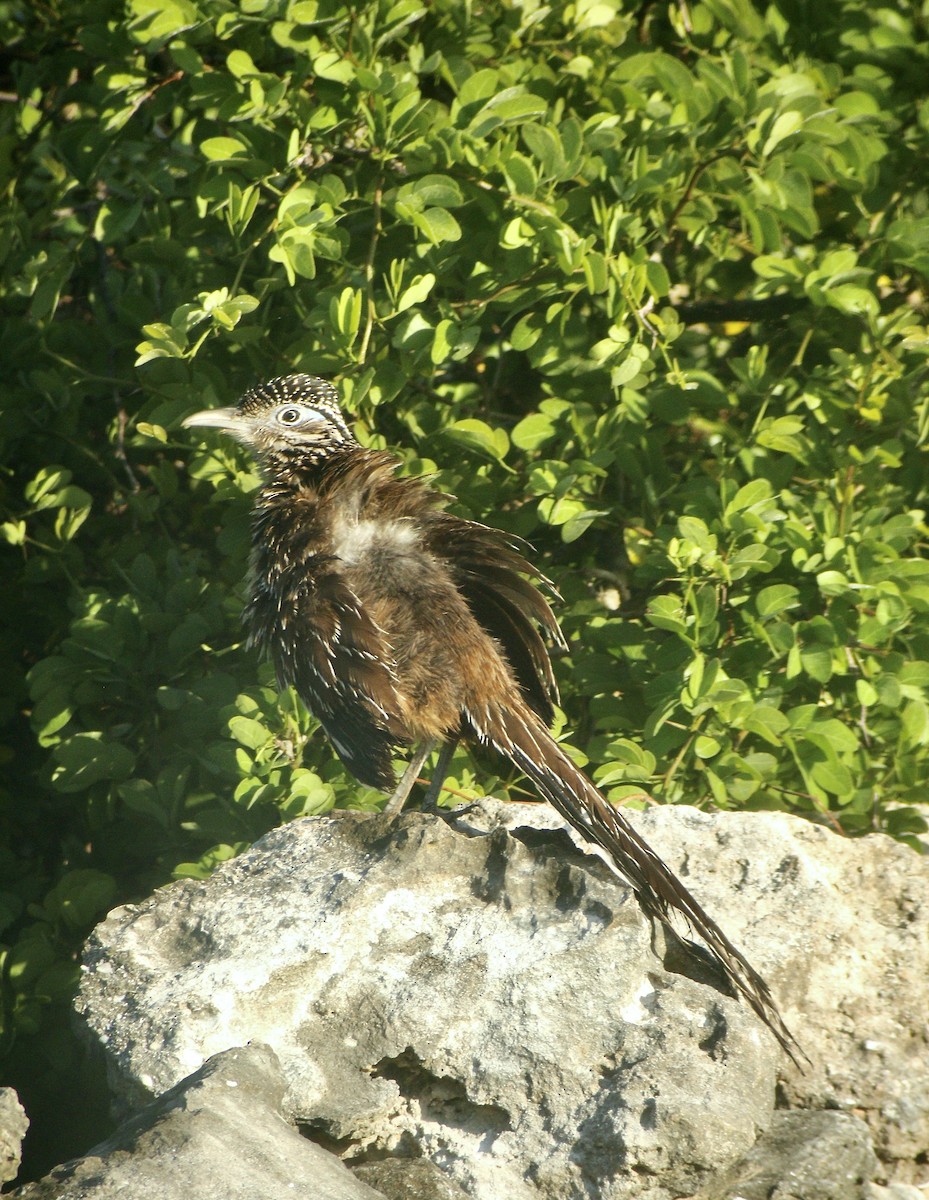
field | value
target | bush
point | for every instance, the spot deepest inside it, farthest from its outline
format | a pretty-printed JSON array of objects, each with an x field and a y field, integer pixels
[{"x": 644, "y": 285}]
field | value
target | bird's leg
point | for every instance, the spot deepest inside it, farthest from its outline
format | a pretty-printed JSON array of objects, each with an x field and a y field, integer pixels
[
  {"x": 431, "y": 798},
  {"x": 409, "y": 776}
]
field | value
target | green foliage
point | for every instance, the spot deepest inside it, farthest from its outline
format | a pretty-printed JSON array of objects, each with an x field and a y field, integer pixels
[{"x": 642, "y": 284}]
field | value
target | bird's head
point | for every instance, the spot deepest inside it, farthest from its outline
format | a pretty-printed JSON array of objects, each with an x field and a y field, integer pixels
[{"x": 294, "y": 416}]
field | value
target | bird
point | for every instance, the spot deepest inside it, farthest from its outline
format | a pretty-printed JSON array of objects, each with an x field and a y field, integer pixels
[{"x": 400, "y": 624}]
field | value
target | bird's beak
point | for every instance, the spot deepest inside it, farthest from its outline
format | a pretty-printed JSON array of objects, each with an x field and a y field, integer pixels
[{"x": 229, "y": 419}]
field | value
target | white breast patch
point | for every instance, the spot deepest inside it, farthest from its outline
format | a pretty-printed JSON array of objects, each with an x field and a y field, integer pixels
[{"x": 355, "y": 540}]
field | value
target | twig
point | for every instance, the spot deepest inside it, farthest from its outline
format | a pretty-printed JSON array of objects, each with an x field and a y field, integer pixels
[
  {"x": 714, "y": 312},
  {"x": 371, "y": 313}
]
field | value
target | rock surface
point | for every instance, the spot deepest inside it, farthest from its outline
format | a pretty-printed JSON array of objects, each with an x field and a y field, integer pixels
[
  {"x": 219, "y": 1135},
  {"x": 490, "y": 1002},
  {"x": 488, "y": 998},
  {"x": 840, "y": 929},
  {"x": 802, "y": 1156},
  {"x": 13, "y": 1126},
  {"x": 412, "y": 1179},
  {"x": 894, "y": 1191}
]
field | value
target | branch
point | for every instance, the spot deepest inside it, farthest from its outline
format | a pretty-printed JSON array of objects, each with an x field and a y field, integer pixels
[{"x": 714, "y": 312}]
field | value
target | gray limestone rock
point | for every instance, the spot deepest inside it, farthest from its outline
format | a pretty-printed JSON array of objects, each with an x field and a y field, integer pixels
[
  {"x": 13, "y": 1126},
  {"x": 219, "y": 1135},
  {"x": 802, "y": 1156},
  {"x": 410, "y": 1179},
  {"x": 488, "y": 999},
  {"x": 894, "y": 1191},
  {"x": 840, "y": 929}
]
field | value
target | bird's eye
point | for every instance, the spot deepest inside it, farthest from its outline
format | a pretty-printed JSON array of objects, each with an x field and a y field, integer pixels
[{"x": 292, "y": 415}]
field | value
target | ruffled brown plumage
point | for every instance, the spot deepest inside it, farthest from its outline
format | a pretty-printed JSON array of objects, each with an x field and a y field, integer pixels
[{"x": 400, "y": 623}]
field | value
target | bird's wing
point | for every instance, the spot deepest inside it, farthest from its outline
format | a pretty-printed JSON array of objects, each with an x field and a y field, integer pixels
[
  {"x": 502, "y": 590},
  {"x": 325, "y": 645}
]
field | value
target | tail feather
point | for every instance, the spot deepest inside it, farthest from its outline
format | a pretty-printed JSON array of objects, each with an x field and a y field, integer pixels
[{"x": 521, "y": 737}]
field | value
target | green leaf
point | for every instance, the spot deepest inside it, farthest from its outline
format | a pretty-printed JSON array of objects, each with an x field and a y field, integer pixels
[
  {"x": 785, "y": 435},
  {"x": 768, "y": 722},
  {"x": 229, "y": 312},
  {"x": 159, "y": 20},
  {"x": 832, "y": 734},
  {"x": 545, "y": 146},
  {"x": 512, "y": 106},
  {"x": 345, "y": 311},
  {"x": 832, "y": 583},
  {"x": 334, "y": 66},
  {"x": 42, "y": 491},
  {"x": 533, "y": 432},
  {"x": 849, "y": 298},
  {"x": 416, "y": 291},
  {"x": 223, "y": 149},
  {"x": 558, "y": 510},
  {"x": 695, "y": 530},
  {"x": 478, "y": 86},
  {"x": 437, "y": 225},
  {"x": 451, "y": 341},
  {"x": 89, "y": 758},
  {"x": 431, "y": 191},
  {"x": 667, "y": 612},
  {"x": 249, "y": 732},
  {"x": 13, "y": 532},
  {"x": 915, "y": 723},
  {"x": 833, "y": 777},
  {"x": 752, "y": 559},
  {"x": 79, "y": 899},
  {"x": 816, "y": 661},
  {"x": 207, "y": 863},
  {"x": 750, "y": 495},
  {"x": 307, "y": 795},
  {"x": 295, "y": 251},
  {"x": 155, "y": 432},
  {"x": 707, "y": 747},
  {"x": 479, "y": 436},
  {"x": 776, "y": 599},
  {"x": 241, "y": 64},
  {"x": 784, "y": 126},
  {"x": 526, "y": 332},
  {"x": 579, "y": 523}
]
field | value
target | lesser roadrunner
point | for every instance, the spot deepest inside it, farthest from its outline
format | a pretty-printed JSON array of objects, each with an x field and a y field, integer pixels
[{"x": 400, "y": 624}]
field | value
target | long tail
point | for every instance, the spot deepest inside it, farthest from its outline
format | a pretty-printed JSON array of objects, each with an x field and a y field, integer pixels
[{"x": 520, "y": 736}]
